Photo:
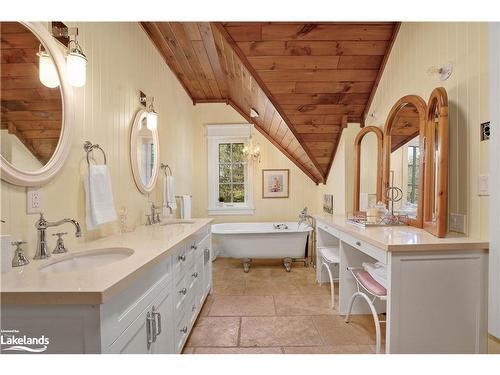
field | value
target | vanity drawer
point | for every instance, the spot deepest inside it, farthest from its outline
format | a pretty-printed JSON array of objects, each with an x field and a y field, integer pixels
[
  {"x": 180, "y": 260},
  {"x": 370, "y": 250},
  {"x": 181, "y": 333},
  {"x": 180, "y": 294},
  {"x": 123, "y": 309},
  {"x": 327, "y": 228}
]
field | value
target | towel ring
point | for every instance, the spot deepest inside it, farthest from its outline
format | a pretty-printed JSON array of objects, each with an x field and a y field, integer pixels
[
  {"x": 164, "y": 167},
  {"x": 89, "y": 147}
]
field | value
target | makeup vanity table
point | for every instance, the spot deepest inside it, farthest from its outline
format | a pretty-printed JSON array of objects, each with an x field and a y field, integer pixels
[{"x": 437, "y": 287}]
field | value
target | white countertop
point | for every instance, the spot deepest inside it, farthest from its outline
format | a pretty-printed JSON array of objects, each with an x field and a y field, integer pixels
[
  {"x": 403, "y": 238},
  {"x": 151, "y": 244}
]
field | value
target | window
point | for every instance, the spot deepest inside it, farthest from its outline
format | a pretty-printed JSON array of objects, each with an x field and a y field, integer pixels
[
  {"x": 413, "y": 169},
  {"x": 229, "y": 180}
]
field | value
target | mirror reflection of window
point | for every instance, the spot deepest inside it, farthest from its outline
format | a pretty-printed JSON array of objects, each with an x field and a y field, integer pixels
[
  {"x": 145, "y": 154},
  {"x": 368, "y": 171}
]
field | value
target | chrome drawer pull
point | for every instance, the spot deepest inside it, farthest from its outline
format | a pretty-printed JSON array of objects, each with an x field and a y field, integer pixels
[
  {"x": 194, "y": 247},
  {"x": 150, "y": 330},
  {"x": 358, "y": 243},
  {"x": 156, "y": 315},
  {"x": 182, "y": 258},
  {"x": 195, "y": 275},
  {"x": 184, "y": 329},
  {"x": 194, "y": 308},
  {"x": 183, "y": 291}
]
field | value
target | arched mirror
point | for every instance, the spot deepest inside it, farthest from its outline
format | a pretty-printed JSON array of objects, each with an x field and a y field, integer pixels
[
  {"x": 367, "y": 168},
  {"x": 436, "y": 171},
  {"x": 36, "y": 99},
  {"x": 404, "y": 134},
  {"x": 144, "y": 153}
]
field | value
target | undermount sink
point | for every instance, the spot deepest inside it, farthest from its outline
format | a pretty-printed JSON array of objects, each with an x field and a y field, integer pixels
[
  {"x": 177, "y": 221},
  {"x": 87, "y": 259}
]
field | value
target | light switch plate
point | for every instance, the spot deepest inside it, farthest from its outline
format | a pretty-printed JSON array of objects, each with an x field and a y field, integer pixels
[
  {"x": 457, "y": 223},
  {"x": 483, "y": 185},
  {"x": 34, "y": 200}
]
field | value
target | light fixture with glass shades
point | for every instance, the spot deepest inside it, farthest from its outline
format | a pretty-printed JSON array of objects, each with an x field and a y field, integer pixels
[
  {"x": 47, "y": 72},
  {"x": 76, "y": 63},
  {"x": 152, "y": 116},
  {"x": 251, "y": 150}
]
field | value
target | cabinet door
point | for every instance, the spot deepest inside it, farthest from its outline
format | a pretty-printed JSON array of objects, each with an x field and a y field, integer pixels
[
  {"x": 137, "y": 338},
  {"x": 163, "y": 314}
]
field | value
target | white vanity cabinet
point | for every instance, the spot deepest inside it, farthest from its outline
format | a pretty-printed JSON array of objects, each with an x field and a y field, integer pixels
[{"x": 150, "y": 313}]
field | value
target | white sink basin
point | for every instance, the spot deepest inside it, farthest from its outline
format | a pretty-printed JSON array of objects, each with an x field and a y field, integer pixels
[
  {"x": 87, "y": 259},
  {"x": 177, "y": 221}
]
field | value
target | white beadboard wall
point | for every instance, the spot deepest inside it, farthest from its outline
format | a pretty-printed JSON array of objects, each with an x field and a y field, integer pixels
[
  {"x": 420, "y": 46},
  {"x": 122, "y": 61}
]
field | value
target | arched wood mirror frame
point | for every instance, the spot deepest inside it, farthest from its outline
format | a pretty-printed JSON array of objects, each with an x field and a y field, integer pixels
[
  {"x": 421, "y": 108},
  {"x": 436, "y": 170},
  {"x": 357, "y": 163}
]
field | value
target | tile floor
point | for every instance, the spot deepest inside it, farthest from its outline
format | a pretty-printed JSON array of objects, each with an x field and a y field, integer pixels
[{"x": 271, "y": 311}]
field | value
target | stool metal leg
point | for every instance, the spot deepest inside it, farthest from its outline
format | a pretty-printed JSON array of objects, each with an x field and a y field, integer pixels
[
  {"x": 376, "y": 320},
  {"x": 332, "y": 285}
]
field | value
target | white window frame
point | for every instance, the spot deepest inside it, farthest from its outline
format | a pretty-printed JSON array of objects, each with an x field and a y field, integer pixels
[{"x": 217, "y": 134}]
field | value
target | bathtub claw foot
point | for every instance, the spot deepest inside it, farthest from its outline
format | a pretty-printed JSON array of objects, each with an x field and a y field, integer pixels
[
  {"x": 287, "y": 262},
  {"x": 246, "y": 264}
]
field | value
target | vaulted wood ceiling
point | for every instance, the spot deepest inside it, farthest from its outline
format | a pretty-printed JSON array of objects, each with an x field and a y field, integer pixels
[
  {"x": 306, "y": 80},
  {"x": 29, "y": 110}
]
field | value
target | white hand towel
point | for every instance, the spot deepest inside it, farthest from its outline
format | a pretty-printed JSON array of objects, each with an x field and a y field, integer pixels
[
  {"x": 169, "y": 202},
  {"x": 99, "y": 202},
  {"x": 185, "y": 207}
]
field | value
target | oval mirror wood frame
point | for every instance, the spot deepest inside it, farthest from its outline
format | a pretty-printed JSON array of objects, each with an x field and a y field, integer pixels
[
  {"x": 145, "y": 189},
  {"x": 421, "y": 108},
  {"x": 357, "y": 163},
  {"x": 17, "y": 176},
  {"x": 435, "y": 222}
]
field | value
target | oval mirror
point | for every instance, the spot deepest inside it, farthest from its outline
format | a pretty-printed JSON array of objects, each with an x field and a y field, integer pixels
[
  {"x": 403, "y": 157},
  {"x": 36, "y": 115},
  {"x": 144, "y": 153},
  {"x": 367, "y": 168}
]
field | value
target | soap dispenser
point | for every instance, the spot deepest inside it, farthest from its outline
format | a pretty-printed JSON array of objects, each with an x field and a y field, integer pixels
[{"x": 19, "y": 258}]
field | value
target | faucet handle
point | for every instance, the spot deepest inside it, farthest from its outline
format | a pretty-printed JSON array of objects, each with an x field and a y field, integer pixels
[
  {"x": 60, "y": 234},
  {"x": 60, "y": 248},
  {"x": 19, "y": 258}
]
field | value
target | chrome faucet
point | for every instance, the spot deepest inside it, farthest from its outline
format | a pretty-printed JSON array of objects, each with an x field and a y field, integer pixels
[
  {"x": 154, "y": 217},
  {"x": 304, "y": 217},
  {"x": 41, "y": 226}
]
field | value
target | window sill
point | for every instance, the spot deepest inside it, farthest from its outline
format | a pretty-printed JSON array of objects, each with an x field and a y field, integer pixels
[{"x": 231, "y": 211}]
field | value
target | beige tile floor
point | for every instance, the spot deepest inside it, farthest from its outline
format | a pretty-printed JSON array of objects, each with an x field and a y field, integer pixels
[{"x": 271, "y": 311}]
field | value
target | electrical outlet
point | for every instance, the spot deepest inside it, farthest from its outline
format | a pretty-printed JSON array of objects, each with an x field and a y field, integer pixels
[
  {"x": 457, "y": 223},
  {"x": 483, "y": 185},
  {"x": 33, "y": 200}
]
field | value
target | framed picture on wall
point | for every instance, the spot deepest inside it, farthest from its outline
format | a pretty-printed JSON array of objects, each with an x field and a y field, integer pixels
[{"x": 275, "y": 183}]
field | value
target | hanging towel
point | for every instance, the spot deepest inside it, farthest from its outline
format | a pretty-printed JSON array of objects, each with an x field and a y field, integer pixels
[
  {"x": 168, "y": 195},
  {"x": 99, "y": 203},
  {"x": 378, "y": 271},
  {"x": 185, "y": 207}
]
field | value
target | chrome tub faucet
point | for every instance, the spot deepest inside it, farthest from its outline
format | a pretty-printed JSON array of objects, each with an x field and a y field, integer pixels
[{"x": 41, "y": 226}]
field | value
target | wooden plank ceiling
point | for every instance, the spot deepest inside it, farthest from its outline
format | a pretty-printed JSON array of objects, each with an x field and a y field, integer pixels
[
  {"x": 29, "y": 110},
  {"x": 306, "y": 80}
]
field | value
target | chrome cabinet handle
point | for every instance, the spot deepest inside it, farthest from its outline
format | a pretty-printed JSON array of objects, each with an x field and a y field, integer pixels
[
  {"x": 194, "y": 247},
  {"x": 193, "y": 308},
  {"x": 195, "y": 275},
  {"x": 182, "y": 258},
  {"x": 157, "y": 319},
  {"x": 150, "y": 330},
  {"x": 183, "y": 291},
  {"x": 358, "y": 243},
  {"x": 184, "y": 329}
]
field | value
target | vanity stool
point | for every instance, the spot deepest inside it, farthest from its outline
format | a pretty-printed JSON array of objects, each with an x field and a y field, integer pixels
[
  {"x": 329, "y": 255},
  {"x": 367, "y": 285}
]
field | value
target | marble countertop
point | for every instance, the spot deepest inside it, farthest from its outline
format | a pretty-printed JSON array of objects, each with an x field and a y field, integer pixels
[
  {"x": 151, "y": 244},
  {"x": 403, "y": 238}
]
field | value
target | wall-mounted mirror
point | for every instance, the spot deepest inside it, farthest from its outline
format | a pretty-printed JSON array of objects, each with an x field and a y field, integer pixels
[
  {"x": 36, "y": 114},
  {"x": 144, "y": 153},
  {"x": 367, "y": 168},
  {"x": 404, "y": 134},
  {"x": 436, "y": 170}
]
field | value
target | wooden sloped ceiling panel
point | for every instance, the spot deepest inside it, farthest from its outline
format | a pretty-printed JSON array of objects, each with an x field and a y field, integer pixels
[
  {"x": 319, "y": 76},
  {"x": 210, "y": 71}
]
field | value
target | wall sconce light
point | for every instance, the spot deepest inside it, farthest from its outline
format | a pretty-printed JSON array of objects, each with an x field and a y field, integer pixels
[
  {"x": 76, "y": 64},
  {"x": 444, "y": 71},
  {"x": 152, "y": 116},
  {"x": 47, "y": 72}
]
